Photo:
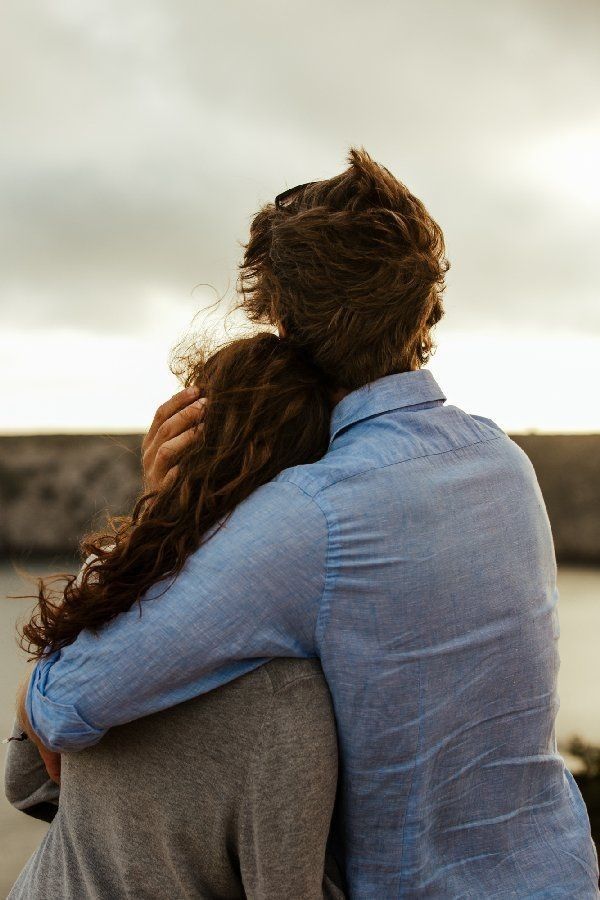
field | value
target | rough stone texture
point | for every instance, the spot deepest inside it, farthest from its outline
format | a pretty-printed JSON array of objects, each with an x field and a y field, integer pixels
[
  {"x": 55, "y": 488},
  {"x": 568, "y": 469}
]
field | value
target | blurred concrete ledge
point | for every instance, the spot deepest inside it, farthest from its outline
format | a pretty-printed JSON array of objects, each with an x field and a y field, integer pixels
[{"x": 54, "y": 488}]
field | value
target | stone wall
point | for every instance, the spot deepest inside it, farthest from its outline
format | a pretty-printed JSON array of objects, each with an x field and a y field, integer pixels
[
  {"x": 568, "y": 470},
  {"x": 55, "y": 488}
]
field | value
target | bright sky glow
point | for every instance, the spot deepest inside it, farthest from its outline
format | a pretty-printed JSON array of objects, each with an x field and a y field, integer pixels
[
  {"x": 86, "y": 383},
  {"x": 139, "y": 139}
]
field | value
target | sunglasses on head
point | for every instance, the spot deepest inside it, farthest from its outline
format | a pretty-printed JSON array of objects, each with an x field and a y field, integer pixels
[{"x": 285, "y": 195}]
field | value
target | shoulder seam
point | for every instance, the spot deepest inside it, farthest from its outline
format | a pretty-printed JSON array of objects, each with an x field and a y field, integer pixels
[
  {"x": 264, "y": 725},
  {"x": 313, "y": 497},
  {"x": 399, "y": 462},
  {"x": 327, "y": 552},
  {"x": 255, "y": 755}
]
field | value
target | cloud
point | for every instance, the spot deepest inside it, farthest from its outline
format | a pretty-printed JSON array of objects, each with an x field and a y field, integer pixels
[{"x": 139, "y": 139}]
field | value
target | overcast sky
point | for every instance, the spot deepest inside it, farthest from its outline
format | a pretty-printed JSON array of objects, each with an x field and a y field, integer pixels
[{"x": 139, "y": 138}]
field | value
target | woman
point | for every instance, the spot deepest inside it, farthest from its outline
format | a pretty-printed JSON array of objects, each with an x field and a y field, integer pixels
[{"x": 230, "y": 794}]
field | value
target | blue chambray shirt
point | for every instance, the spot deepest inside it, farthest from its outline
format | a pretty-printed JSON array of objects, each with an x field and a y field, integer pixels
[{"x": 416, "y": 560}]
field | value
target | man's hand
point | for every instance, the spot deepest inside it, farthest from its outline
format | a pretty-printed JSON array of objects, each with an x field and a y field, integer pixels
[
  {"x": 50, "y": 758},
  {"x": 52, "y": 762},
  {"x": 173, "y": 428}
]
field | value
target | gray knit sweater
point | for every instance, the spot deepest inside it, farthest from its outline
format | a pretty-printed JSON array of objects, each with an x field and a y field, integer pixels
[{"x": 229, "y": 795}]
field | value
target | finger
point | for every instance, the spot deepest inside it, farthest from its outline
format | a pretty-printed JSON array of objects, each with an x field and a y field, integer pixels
[
  {"x": 169, "y": 408},
  {"x": 171, "y": 476},
  {"x": 181, "y": 421},
  {"x": 172, "y": 450}
]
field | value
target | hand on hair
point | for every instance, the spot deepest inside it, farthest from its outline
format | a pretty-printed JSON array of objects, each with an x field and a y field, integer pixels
[{"x": 173, "y": 428}]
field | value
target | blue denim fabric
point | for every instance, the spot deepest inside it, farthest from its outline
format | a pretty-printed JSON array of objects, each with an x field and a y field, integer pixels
[{"x": 416, "y": 560}]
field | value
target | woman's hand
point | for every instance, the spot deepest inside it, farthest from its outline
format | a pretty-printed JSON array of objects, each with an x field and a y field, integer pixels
[{"x": 173, "y": 428}]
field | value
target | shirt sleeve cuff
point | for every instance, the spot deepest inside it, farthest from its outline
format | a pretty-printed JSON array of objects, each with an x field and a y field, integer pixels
[{"x": 59, "y": 726}]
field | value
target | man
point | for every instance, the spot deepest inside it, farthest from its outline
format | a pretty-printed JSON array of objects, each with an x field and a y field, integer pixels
[{"x": 415, "y": 559}]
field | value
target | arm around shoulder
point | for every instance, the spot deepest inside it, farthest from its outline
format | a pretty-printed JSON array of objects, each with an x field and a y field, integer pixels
[{"x": 251, "y": 592}]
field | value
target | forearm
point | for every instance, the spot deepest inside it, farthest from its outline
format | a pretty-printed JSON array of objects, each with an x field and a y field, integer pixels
[{"x": 243, "y": 597}]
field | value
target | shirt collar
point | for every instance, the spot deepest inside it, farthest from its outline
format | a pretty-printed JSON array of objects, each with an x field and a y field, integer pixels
[{"x": 383, "y": 395}]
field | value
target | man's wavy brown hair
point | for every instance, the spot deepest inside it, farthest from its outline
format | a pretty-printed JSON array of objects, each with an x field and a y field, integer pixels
[{"x": 353, "y": 269}]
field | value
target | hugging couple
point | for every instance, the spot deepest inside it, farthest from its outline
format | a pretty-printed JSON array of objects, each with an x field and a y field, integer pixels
[{"x": 319, "y": 660}]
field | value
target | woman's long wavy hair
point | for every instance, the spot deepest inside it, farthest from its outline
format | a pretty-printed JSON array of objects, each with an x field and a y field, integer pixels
[
  {"x": 353, "y": 268},
  {"x": 268, "y": 408}
]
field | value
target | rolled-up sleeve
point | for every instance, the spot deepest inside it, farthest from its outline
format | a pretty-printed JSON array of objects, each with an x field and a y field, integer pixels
[
  {"x": 250, "y": 593},
  {"x": 59, "y": 725}
]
